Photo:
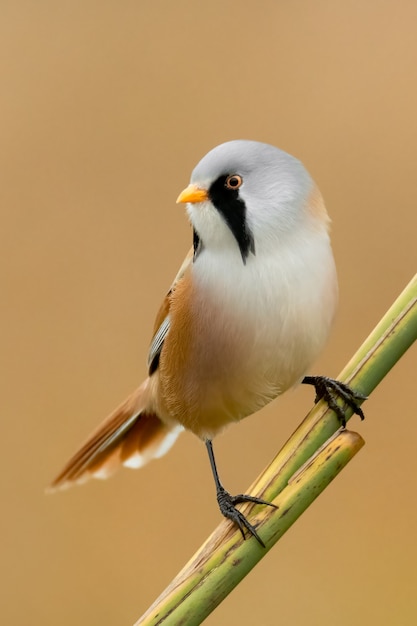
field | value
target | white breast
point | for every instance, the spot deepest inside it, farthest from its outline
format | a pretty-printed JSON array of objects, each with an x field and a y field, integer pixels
[
  {"x": 279, "y": 306},
  {"x": 241, "y": 334}
]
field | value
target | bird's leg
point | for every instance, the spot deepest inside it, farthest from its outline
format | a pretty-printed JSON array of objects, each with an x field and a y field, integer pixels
[
  {"x": 227, "y": 502},
  {"x": 330, "y": 390}
]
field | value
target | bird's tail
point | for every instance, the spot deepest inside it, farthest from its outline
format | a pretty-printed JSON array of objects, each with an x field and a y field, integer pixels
[{"x": 130, "y": 436}]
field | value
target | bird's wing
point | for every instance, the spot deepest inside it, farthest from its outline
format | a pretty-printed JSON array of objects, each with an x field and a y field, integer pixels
[
  {"x": 95, "y": 457},
  {"x": 131, "y": 435},
  {"x": 162, "y": 321}
]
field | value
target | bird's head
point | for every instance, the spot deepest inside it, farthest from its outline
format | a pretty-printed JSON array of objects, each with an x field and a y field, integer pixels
[{"x": 250, "y": 195}]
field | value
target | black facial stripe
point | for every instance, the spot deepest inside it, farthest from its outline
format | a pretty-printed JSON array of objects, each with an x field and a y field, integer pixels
[
  {"x": 197, "y": 243},
  {"x": 233, "y": 210}
]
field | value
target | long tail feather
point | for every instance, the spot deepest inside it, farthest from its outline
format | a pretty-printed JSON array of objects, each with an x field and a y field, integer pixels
[{"x": 130, "y": 436}]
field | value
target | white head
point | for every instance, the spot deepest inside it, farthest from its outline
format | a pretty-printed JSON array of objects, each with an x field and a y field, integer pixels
[{"x": 252, "y": 195}]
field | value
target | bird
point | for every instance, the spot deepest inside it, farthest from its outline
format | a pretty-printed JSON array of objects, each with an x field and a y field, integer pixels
[{"x": 246, "y": 316}]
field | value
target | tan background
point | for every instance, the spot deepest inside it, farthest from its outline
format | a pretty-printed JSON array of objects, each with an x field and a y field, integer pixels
[{"x": 105, "y": 109}]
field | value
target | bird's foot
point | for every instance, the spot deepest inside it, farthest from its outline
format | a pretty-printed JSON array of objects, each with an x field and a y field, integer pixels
[
  {"x": 330, "y": 390},
  {"x": 227, "y": 508}
]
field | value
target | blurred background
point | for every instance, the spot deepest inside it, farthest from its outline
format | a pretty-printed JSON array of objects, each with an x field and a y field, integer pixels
[{"x": 105, "y": 109}]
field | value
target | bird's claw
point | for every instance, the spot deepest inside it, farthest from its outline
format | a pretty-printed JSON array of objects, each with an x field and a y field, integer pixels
[
  {"x": 227, "y": 508},
  {"x": 329, "y": 389}
]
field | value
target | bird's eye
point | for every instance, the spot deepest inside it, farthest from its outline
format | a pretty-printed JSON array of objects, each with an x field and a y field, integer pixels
[{"x": 233, "y": 181}]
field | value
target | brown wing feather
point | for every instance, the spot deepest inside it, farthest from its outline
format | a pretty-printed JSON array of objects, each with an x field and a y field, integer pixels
[
  {"x": 131, "y": 434},
  {"x": 104, "y": 440},
  {"x": 163, "y": 322},
  {"x": 166, "y": 303}
]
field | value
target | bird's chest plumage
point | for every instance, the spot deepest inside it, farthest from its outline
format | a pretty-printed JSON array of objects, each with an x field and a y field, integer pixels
[{"x": 236, "y": 341}]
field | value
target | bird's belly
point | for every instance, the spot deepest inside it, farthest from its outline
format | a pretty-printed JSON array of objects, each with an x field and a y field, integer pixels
[
  {"x": 221, "y": 363},
  {"x": 216, "y": 389}
]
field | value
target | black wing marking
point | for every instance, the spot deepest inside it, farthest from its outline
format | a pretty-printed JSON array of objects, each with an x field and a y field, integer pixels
[
  {"x": 163, "y": 328},
  {"x": 156, "y": 345}
]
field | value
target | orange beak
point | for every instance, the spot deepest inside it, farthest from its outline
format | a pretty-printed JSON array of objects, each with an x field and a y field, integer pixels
[{"x": 193, "y": 194}]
